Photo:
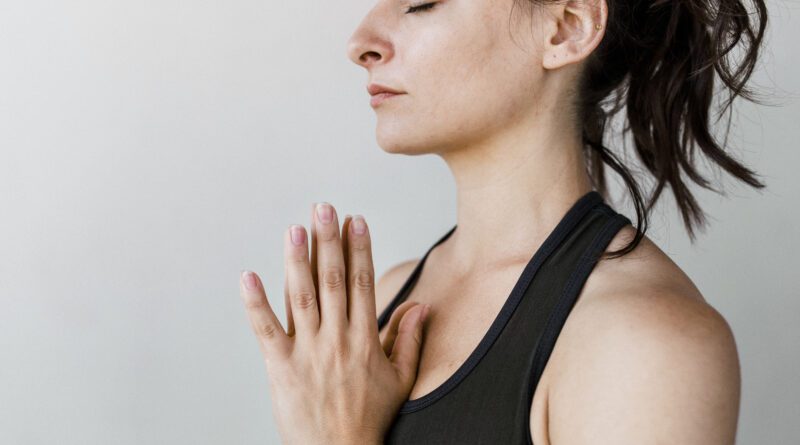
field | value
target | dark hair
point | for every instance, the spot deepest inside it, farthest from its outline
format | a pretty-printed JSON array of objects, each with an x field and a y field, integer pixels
[{"x": 659, "y": 58}]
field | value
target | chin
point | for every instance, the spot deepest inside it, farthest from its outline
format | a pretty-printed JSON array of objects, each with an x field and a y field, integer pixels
[
  {"x": 395, "y": 139},
  {"x": 401, "y": 147}
]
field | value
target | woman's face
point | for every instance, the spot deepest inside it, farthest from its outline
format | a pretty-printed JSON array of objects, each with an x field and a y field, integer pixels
[{"x": 467, "y": 67}]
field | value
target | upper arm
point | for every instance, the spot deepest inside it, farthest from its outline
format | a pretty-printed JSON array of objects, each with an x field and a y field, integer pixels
[
  {"x": 390, "y": 282},
  {"x": 659, "y": 369}
]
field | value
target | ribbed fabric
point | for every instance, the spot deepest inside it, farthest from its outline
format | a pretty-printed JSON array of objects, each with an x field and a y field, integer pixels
[{"x": 488, "y": 399}]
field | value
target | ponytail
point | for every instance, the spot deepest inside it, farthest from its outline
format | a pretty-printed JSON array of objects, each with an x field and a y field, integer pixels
[{"x": 658, "y": 58}]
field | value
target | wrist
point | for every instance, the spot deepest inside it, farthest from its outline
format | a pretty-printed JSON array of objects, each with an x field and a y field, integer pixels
[{"x": 359, "y": 438}]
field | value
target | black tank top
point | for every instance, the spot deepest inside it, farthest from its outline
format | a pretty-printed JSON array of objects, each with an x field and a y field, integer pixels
[{"x": 488, "y": 399}]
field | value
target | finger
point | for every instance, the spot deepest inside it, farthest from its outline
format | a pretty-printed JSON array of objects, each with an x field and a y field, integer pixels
[
  {"x": 361, "y": 298},
  {"x": 331, "y": 277},
  {"x": 272, "y": 340},
  {"x": 390, "y": 334},
  {"x": 312, "y": 229},
  {"x": 287, "y": 302},
  {"x": 302, "y": 295},
  {"x": 346, "y": 249},
  {"x": 407, "y": 346}
]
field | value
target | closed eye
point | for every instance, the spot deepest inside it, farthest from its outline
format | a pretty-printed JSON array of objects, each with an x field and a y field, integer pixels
[{"x": 421, "y": 7}]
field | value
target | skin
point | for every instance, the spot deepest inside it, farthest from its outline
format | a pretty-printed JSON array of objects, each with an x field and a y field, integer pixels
[
  {"x": 641, "y": 348},
  {"x": 332, "y": 380},
  {"x": 642, "y": 358}
]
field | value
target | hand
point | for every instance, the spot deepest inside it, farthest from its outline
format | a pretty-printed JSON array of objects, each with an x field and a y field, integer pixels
[{"x": 332, "y": 380}]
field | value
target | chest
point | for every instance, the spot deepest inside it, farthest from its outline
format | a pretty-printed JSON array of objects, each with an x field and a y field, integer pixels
[{"x": 462, "y": 314}]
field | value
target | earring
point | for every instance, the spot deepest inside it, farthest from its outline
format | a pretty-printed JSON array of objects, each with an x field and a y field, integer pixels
[{"x": 597, "y": 26}]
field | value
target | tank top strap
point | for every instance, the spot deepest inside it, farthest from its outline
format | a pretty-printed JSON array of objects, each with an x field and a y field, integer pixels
[
  {"x": 410, "y": 281},
  {"x": 574, "y": 284},
  {"x": 488, "y": 398}
]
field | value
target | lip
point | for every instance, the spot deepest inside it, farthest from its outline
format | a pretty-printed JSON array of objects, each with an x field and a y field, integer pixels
[
  {"x": 376, "y": 88},
  {"x": 379, "y": 98}
]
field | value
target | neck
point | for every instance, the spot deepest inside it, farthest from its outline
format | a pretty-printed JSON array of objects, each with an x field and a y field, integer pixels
[{"x": 512, "y": 189}]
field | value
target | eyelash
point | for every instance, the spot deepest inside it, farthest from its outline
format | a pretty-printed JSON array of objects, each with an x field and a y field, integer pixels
[{"x": 421, "y": 7}]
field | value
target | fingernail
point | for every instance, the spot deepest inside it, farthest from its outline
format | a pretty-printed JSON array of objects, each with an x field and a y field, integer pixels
[
  {"x": 359, "y": 227},
  {"x": 298, "y": 234},
  {"x": 249, "y": 279},
  {"x": 324, "y": 212}
]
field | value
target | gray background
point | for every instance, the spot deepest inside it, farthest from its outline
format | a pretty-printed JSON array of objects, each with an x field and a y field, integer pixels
[{"x": 152, "y": 149}]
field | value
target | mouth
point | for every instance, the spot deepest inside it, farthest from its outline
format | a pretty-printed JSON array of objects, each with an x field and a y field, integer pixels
[
  {"x": 376, "y": 88},
  {"x": 379, "y": 98}
]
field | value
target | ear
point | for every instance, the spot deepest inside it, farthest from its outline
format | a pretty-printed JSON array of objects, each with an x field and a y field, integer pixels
[{"x": 572, "y": 31}]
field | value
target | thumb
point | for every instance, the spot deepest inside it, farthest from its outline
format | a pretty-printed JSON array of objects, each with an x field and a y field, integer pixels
[{"x": 407, "y": 345}]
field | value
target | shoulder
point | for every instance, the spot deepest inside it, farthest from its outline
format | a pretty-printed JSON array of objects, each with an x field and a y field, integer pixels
[
  {"x": 390, "y": 282},
  {"x": 645, "y": 359}
]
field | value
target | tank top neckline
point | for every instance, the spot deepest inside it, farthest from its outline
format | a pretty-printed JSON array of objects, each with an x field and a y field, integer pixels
[{"x": 570, "y": 219}]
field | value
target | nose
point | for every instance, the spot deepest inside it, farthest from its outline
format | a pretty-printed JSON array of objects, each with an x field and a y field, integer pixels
[
  {"x": 369, "y": 43},
  {"x": 366, "y": 50},
  {"x": 360, "y": 54}
]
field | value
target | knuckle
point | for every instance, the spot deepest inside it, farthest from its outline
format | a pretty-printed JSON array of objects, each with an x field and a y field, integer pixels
[
  {"x": 304, "y": 299},
  {"x": 363, "y": 280},
  {"x": 326, "y": 235},
  {"x": 360, "y": 247},
  {"x": 296, "y": 259},
  {"x": 333, "y": 278},
  {"x": 255, "y": 303},
  {"x": 267, "y": 330}
]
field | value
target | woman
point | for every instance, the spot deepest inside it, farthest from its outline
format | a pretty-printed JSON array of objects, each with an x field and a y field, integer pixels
[{"x": 550, "y": 318}]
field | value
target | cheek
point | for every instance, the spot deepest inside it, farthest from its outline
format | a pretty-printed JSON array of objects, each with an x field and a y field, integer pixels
[
  {"x": 464, "y": 81},
  {"x": 474, "y": 82},
  {"x": 475, "y": 68}
]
